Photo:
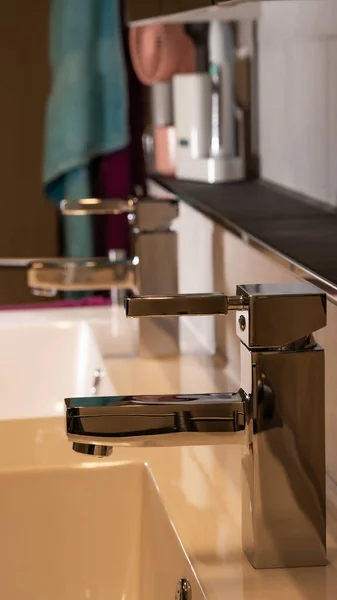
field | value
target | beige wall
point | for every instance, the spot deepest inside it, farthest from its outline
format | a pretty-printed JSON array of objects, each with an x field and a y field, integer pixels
[{"x": 28, "y": 222}]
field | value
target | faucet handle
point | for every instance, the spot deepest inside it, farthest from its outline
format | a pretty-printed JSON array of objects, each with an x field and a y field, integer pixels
[{"x": 183, "y": 304}]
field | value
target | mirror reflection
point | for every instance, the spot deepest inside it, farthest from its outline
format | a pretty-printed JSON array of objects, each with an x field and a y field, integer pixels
[{"x": 91, "y": 104}]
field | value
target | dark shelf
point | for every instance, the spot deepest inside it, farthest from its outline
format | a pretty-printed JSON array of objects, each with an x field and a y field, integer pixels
[{"x": 300, "y": 230}]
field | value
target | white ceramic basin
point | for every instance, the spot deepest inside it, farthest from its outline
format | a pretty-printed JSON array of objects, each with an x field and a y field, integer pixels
[
  {"x": 49, "y": 355},
  {"x": 82, "y": 533},
  {"x": 43, "y": 362}
]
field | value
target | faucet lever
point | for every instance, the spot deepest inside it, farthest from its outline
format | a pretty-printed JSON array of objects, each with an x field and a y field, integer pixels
[{"x": 183, "y": 304}]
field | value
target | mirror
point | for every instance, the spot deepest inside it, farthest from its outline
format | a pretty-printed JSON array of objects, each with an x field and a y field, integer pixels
[
  {"x": 136, "y": 10},
  {"x": 29, "y": 223}
]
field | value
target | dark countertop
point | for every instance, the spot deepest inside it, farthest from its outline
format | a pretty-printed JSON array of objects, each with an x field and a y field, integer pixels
[{"x": 301, "y": 231}]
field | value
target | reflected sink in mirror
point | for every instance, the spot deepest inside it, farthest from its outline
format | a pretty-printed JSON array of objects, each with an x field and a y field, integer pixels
[
  {"x": 49, "y": 355},
  {"x": 41, "y": 363},
  {"x": 82, "y": 533}
]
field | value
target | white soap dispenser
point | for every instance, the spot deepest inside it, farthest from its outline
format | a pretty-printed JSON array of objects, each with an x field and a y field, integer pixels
[{"x": 209, "y": 127}]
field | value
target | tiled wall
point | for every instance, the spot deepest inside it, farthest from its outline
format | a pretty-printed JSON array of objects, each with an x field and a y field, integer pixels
[{"x": 298, "y": 95}]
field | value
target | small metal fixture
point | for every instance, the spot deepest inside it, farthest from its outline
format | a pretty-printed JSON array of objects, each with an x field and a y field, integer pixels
[
  {"x": 98, "y": 375},
  {"x": 242, "y": 323},
  {"x": 92, "y": 449},
  {"x": 183, "y": 590}
]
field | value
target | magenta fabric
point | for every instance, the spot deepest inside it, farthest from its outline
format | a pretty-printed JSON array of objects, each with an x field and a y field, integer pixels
[
  {"x": 116, "y": 174},
  {"x": 92, "y": 301},
  {"x": 113, "y": 180}
]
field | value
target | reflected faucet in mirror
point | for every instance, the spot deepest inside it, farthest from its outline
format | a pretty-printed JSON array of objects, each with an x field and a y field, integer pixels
[
  {"x": 278, "y": 415},
  {"x": 152, "y": 268}
]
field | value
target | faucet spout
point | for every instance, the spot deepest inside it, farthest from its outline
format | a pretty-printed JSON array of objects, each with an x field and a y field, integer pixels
[
  {"x": 188, "y": 304},
  {"x": 155, "y": 420},
  {"x": 78, "y": 274}
]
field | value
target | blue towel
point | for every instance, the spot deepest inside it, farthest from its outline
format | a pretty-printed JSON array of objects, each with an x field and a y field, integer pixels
[{"x": 87, "y": 111}]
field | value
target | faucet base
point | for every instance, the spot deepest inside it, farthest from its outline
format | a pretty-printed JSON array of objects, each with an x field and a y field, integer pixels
[{"x": 283, "y": 495}]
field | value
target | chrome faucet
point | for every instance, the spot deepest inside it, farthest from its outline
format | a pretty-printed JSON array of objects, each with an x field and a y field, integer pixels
[
  {"x": 277, "y": 415},
  {"x": 151, "y": 269}
]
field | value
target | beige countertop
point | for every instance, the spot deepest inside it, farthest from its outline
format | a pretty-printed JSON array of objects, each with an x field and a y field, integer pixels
[{"x": 200, "y": 486}]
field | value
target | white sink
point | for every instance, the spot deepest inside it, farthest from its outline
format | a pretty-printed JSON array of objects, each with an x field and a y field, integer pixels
[
  {"x": 42, "y": 363},
  {"x": 82, "y": 533},
  {"x": 49, "y": 355}
]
